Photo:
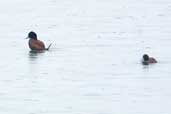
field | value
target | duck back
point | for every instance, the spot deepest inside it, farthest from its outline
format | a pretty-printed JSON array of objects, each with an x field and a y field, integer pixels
[{"x": 36, "y": 44}]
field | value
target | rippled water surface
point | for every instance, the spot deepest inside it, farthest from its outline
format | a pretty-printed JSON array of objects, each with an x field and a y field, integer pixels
[{"x": 93, "y": 66}]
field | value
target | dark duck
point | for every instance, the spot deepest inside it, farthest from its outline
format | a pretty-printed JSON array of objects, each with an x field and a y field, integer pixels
[
  {"x": 148, "y": 60},
  {"x": 34, "y": 43}
]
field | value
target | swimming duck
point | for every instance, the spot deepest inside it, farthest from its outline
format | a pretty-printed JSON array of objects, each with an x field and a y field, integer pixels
[
  {"x": 34, "y": 43},
  {"x": 147, "y": 60}
]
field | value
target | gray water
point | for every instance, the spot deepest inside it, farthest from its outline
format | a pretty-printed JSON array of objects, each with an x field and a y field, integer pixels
[{"x": 93, "y": 66}]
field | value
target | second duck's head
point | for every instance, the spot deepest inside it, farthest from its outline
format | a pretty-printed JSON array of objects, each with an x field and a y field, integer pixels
[
  {"x": 32, "y": 35},
  {"x": 145, "y": 57}
]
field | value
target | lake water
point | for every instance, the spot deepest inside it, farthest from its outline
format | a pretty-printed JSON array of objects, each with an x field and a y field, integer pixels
[{"x": 93, "y": 66}]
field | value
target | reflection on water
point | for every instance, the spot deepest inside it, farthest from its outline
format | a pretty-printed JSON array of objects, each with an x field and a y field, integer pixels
[
  {"x": 145, "y": 66},
  {"x": 33, "y": 54}
]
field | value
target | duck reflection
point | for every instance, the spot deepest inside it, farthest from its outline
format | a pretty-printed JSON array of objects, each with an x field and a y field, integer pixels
[{"x": 34, "y": 54}]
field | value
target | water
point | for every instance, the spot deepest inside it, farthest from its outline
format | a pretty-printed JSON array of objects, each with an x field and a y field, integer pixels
[{"x": 93, "y": 66}]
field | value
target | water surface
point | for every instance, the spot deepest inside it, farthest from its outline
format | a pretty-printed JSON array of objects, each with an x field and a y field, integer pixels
[{"x": 93, "y": 66}]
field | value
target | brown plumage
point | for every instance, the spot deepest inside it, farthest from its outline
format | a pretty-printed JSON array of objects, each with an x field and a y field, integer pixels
[
  {"x": 34, "y": 43},
  {"x": 148, "y": 60}
]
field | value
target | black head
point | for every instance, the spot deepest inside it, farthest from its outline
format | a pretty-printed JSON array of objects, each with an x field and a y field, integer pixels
[
  {"x": 32, "y": 35},
  {"x": 145, "y": 57}
]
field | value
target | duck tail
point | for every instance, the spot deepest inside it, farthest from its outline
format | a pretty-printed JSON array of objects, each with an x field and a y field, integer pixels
[{"x": 49, "y": 46}]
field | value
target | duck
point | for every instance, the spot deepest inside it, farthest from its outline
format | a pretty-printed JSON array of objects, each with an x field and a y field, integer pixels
[
  {"x": 34, "y": 43},
  {"x": 148, "y": 60}
]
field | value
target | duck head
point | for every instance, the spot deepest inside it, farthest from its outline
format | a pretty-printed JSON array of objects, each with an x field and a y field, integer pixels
[
  {"x": 145, "y": 57},
  {"x": 32, "y": 35}
]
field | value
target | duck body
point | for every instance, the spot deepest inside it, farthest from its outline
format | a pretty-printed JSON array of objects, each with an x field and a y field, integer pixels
[
  {"x": 36, "y": 44},
  {"x": 148, "y": 60}
]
